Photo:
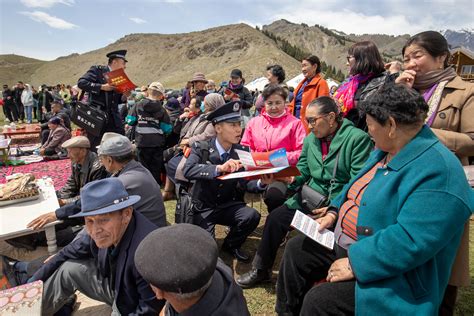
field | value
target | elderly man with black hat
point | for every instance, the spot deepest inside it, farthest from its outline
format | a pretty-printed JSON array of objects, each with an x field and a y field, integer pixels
[
  {"x": 222, "y": 201},
  {"x": 58, "y": 134},
  {"x": 94, "y": 83},
  {"x": 180, "y": 262},
  {"x": 100, "y": 263}
]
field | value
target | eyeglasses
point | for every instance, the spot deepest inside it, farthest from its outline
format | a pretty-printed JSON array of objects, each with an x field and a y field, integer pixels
[
  {"x": 314, "y": 119},
  {"x": 349, "y": 57}
]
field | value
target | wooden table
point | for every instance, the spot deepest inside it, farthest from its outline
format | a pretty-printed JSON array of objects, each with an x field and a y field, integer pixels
[
  {"x": 21, "y": 130},
  {"x": 15, "y": 217}
]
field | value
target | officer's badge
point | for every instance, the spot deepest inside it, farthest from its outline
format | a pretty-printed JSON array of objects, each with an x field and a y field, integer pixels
[
  {"x": 211, "y": 150},
  {"x": 236, "y": 107}
]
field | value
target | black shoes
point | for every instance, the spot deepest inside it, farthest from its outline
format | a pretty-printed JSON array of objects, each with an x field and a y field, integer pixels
[
  {"x": 253, "y": 277},
  {"x": 237, "y": 253}
]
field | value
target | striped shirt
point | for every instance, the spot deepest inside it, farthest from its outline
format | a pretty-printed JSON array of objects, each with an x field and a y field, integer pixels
[{"x": 349, "y": 211}]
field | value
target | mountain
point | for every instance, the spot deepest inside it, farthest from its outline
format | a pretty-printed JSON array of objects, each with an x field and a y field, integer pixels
[
  {"x": 331, "y": 46},
  {"x": 15, "y": 68},
  {"x": 172, "y": 59},
  {"x": 463, "y": 38}
]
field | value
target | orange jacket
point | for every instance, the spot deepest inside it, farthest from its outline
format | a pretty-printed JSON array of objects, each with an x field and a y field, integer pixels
[{"x": 316, "y": 88}]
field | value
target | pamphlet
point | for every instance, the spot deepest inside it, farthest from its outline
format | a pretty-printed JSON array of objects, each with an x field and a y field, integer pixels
[
  {"x": 120, "y": 80},
  {"x": 257, "y": 164},
  {"x": 309, "y": 227}
]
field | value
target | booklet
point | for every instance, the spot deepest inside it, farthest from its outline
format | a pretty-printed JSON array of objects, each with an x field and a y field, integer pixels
[
  {"x": 309, "y": 227},
  {"x": 120, "y": 80},
  {"x": 257, "y": 164}
]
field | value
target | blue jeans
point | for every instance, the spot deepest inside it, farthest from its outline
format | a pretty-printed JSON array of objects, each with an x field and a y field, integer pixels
[{"x": 29, "y": 113}]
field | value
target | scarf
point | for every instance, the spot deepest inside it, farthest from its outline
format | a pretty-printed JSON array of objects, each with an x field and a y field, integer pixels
[
  {"x": 235, "y": 87},
  {"x": 346, "y": 92},
  {"x": 427, "y": 80}
]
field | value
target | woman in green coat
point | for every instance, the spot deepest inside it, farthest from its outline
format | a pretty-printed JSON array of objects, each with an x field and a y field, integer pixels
[
  {"x": 398, "y": 224},
  {"x": 332, "y": 138}
]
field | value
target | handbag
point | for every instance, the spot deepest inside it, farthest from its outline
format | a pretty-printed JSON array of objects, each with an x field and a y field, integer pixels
[
  {"x": 89, "y": 117},
  {"x": 311, "y": 199}
]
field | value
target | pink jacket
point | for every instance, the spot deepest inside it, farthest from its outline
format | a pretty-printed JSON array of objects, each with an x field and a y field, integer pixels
[{"x": 264, "y": 133}]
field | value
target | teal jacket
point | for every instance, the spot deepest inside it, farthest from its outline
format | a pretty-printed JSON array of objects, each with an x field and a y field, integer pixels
[
  {"x": 354, "y": 146},
  {"x": 410, "y": 223}
]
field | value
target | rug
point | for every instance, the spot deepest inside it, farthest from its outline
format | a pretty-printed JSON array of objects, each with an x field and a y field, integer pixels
[{"x": 58, "y": 170}]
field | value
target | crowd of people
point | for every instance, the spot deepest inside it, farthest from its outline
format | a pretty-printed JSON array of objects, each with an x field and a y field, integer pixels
[{"x": 380, "y": 159}]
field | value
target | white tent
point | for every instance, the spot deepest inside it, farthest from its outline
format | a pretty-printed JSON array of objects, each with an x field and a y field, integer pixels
[
  {"x": 258, "y": 84},
  {"x": 296, "y": 80}
]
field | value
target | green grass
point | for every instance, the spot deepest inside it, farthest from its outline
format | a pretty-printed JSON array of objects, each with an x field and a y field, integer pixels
[{"x": 261, "y": 300}]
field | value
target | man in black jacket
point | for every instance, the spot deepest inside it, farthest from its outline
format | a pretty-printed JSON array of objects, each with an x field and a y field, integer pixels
[
  {"x": 9, "y": 107},
  {"x": 17, "y": 98},
  {"x": 222, "y": 201},
  {"x": 152, "y": 124},
  {"x": 180, "y": 262},
  {"x": 95, "y": 85}
]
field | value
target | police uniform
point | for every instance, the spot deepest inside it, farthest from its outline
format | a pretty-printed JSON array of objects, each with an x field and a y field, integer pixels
[
  {"x": 91, "y": 82},
  {"x": 221, "y": 201}
]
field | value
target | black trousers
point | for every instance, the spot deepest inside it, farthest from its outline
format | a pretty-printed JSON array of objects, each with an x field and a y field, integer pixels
[
  {"x": 275, "y": 195},
  {"x": 241, "y": 219},
  {"x": 21, "y": 110},
  {"x": 152, "y": 159},
  {"x": 304, "y": 263},
  {"x": 11, "y": 113},
  {"x": 276, "y": 227}
]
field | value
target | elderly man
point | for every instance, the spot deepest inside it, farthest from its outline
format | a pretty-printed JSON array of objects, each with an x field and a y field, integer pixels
[
  {"x": 115, "y": 154},
  {"x": 180, "y": 263},
  {"x": 57, "y": 136},
  {"x": 94, "y": 83},
  {"x": 100, "y": 264},
  {"x": 222, "y": 201},
  {"x": 86, "y": 168}
]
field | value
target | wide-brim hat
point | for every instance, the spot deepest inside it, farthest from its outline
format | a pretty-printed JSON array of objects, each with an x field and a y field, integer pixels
[
  {"x": 104, "y": 196},
  {"x": 199, "y": 76}
]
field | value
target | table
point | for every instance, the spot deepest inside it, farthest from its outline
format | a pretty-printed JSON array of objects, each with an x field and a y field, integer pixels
[
  {"x": 25, "y": 129},
  {"x": 15, "y": 217}
]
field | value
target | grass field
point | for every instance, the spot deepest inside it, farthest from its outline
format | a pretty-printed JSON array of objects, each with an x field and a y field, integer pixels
[{"x": 261, "y": 300}]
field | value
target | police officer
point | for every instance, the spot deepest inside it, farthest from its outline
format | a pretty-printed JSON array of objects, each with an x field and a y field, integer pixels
[
  {"x": 217, "y": 201},
  {"x": 94, "y": 83}
]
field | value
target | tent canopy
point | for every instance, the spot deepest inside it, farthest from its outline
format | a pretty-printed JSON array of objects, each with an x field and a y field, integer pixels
[
  {"x": 257, "y": 84},
  {"x": 296, "y": 80}
]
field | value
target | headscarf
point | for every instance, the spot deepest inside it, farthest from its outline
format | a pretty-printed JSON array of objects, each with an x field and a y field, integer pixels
[{"x": 214, "y": 101}]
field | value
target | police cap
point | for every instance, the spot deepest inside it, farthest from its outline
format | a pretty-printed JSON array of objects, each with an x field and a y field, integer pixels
[
  {"x": 229, "y": 112},
  {"x": 118, "y": 54}
]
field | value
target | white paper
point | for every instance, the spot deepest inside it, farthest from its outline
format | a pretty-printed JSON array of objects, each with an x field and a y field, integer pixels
[
  {"x": 309, "y": 227},
  {"x": 245, "y": 174},
  {"x": 245, "y": 158}
]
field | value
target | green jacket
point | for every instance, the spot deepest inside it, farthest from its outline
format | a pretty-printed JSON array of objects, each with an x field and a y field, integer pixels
[
  {"x": 354, "y": 146},
  {"x": 409, "y": 226}
]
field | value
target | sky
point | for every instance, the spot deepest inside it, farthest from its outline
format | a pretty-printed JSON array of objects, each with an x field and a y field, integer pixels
[{"x": 47, "y": 29}]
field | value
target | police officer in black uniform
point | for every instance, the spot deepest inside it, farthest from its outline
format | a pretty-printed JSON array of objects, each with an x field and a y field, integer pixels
[
  {"x": 222, "y": 201},
  {"x": 94, "y": 83}
]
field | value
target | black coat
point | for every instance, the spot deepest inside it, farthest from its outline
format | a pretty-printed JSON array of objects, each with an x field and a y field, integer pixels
[
  {"x": 91, "y": 82},
  {"x": 44, "y": 100},
  {"x": 244, "y": 95},
  {"x": 8, "y": 97},
  {"x": 208, "y": 192},
  {"x": 133, "y": 294}
]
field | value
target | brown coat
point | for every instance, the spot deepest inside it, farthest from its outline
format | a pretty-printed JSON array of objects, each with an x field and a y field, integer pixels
[
  {"x": 454, "y": 126},
  {"x": 56, "y": 138}
]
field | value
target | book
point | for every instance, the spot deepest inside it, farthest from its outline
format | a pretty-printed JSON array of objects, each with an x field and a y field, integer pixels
[
  {"x": 257, "y": 164},
  {"x": 120, "y": 80},
  {"x": 310, "y": 228}
]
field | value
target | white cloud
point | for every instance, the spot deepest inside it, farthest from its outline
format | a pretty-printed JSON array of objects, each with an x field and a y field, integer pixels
[
  {"x": 138, "y": 20},
  {"x": 52, "y": 21},
  {"x": 357, "y": 23},
  {"x": 46, "y": 3}
]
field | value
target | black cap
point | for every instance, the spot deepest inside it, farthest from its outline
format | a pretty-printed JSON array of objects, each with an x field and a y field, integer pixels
[
  {"x": 229, "y": 112},
  {"x": 118, "y": 54},
  {"x": 236, "y": 73},
  {"x": 180, "y": 258}
]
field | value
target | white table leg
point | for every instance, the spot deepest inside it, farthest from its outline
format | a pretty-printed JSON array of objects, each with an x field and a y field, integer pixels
[{"x": 51, "y": 239}]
